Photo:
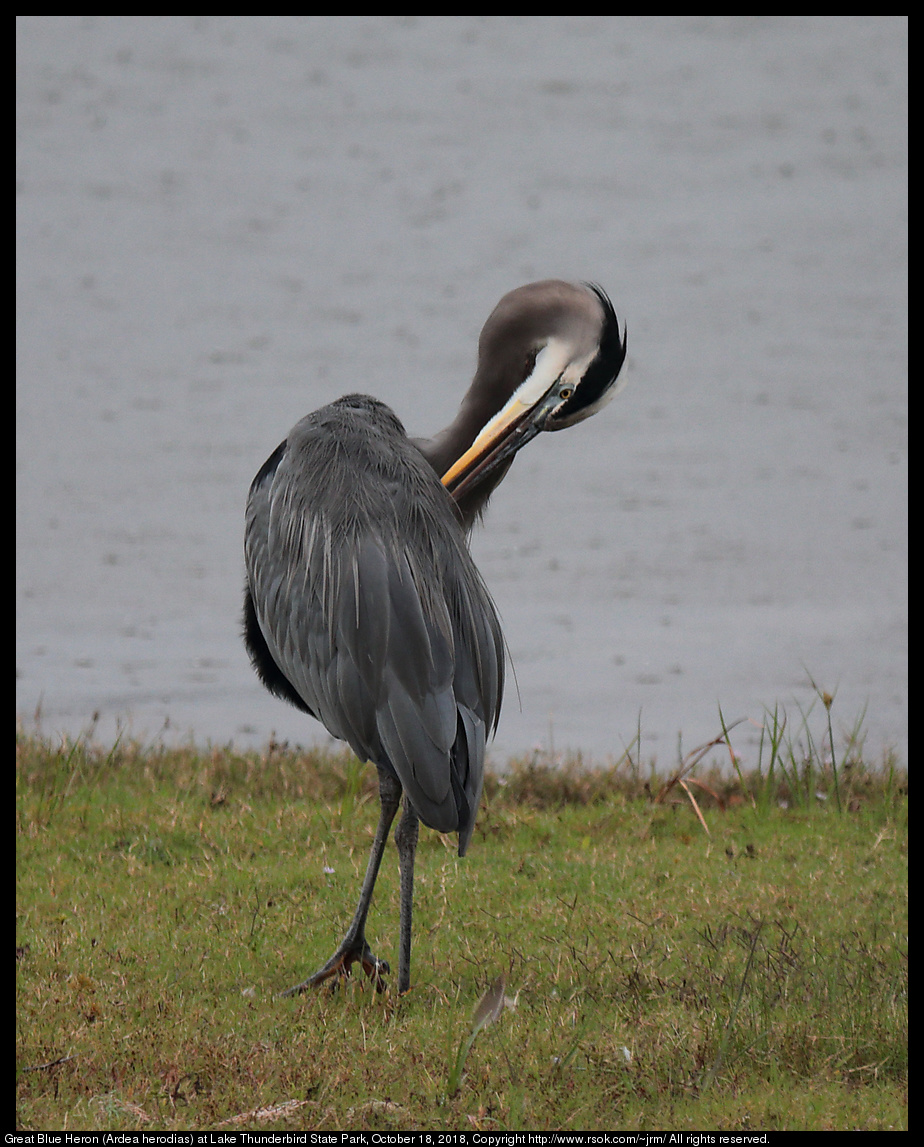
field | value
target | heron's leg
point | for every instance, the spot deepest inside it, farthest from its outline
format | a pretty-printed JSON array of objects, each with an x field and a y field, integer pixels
[
  {"x": 406, "y": 840},
  {"x": 353, "y": 947}
]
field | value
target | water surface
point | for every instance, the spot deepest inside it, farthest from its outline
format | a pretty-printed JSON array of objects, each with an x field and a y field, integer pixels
[{"x": 225, "y": 222}]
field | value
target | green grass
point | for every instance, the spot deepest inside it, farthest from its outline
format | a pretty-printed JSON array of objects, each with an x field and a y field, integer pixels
[{"x": 745, "y": 970}]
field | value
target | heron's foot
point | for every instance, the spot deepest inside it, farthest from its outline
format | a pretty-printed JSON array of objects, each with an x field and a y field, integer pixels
[{"x": 341, "y": 965}]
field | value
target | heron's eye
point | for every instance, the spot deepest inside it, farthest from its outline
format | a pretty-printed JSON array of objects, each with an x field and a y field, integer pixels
[{"x": 565, "y": 392}]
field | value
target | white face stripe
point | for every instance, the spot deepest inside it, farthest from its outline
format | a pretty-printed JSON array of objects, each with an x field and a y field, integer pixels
[{"x": 551, "y": 362}]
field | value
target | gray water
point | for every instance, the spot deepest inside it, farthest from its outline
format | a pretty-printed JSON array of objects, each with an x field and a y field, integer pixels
[{"x": 225, "y": 222}]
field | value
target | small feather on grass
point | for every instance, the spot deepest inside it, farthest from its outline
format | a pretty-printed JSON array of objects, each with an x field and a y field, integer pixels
[{"x": 488, "y": 1010}]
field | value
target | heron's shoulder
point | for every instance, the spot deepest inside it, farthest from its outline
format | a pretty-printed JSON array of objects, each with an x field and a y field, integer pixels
[
  {"x": 356, "y": 434},
  {"x": 355, "y": 416},
  {"x": 354, "y": 459}
]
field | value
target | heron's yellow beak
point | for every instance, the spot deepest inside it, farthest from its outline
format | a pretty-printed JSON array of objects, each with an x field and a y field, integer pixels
[
  {"x": 489, "y": 441},
  {"x": 550, "y": 383}
]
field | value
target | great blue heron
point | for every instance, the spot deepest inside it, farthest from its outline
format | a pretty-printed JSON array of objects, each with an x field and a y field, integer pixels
[{"x": 362, "y": 604}]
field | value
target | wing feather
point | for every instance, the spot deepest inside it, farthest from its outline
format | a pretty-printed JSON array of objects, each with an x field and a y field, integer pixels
[{"x": 370, "y": 606}]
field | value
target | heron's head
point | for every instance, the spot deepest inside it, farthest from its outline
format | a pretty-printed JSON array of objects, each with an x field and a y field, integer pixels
[{"x": 549, "y": 356}]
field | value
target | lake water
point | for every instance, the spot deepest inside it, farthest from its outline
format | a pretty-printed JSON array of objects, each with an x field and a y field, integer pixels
[{"x": 225, "y": 222}]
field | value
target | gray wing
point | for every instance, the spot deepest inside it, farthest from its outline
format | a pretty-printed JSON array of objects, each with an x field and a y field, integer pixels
[{"x": 371, "y": 607}]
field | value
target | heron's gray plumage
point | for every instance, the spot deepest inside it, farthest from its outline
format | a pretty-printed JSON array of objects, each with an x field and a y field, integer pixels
[
  {"x": 372, "y": 608},
  {"x": 362, "y": 604}
]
